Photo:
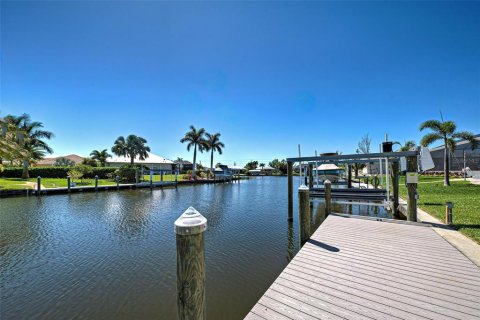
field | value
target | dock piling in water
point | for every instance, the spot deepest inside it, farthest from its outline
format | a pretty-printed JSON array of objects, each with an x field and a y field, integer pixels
[
  {"x": 310, "y": 175},
  {"x": 96, "y": 183},
  {"x": 39, "y": 185},
  {"x": 304, "y": 213},
  {"x": 189, "y": 230},
  {"x": 68, "y": 183},
  {"x": 118, "y": 182},
  {"x": 328, "y": 196},
  {"x": 290, "y": 189}
]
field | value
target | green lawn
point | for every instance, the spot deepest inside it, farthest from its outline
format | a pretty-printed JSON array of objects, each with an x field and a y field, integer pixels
[
  {"x": 464, "y": 195},
  {"x": 13, "y": 184},
  {"x": 19, "y": 184},
  {"x": 166, "y": 177}
]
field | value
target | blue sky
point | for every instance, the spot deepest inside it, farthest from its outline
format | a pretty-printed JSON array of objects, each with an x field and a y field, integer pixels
[{"x": 267, "y": 75}]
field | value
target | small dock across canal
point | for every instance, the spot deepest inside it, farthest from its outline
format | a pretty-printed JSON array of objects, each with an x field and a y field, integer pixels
[{"x": 367, "y": 268}]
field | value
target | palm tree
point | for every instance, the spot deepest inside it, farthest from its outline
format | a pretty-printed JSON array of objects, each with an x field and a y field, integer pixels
[
  {"x": 100, "y": 156},
  {"x": 446, "y": 131},
  {"x": 132, "y": 147},
  {"x": 64, "y": 162},
  {"x": 213, "y": 144},
  {"x": 262, "y": 165},
  {"x": 32, "y": 140},
  {"x": 195, "y": 139},
  {"x": 11, "y": 137}
]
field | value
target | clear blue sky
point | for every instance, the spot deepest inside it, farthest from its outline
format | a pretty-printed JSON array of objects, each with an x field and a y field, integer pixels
[{"x": 267, "y": 75}]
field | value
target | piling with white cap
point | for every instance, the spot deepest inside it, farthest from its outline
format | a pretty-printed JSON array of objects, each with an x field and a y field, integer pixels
[
  {"x": 189, "y": 230},
  {"x": 304, "y": 213}
]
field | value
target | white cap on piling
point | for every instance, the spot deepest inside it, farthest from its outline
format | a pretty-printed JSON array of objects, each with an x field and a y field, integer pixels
[
  {"x": 327, "y": 181},
  {"x": 190, "y": 222},
  {"x": 303, "y": 188}
]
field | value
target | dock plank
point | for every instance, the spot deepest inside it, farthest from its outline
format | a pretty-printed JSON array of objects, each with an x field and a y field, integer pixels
[{"x": 366, "y": 269}]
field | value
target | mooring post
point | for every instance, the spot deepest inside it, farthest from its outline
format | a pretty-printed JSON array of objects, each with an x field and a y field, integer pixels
[
  {"x": 290, "y": 189},
  {"x": 68, "y": 183},
  {"x": 328, "y": 196},
  {"x": 117, "y": 181},
  {"x": 136, "y": 176},
  {"x": 349, "y": 179},
  {"x": 96, "y": 183},
  {"x": 151, "y": 179},
  {"x": 176, "y": 179},
  {"x": 39, "y": 185},
  {"x": 412, "y": 180},
  {"x": 395, "y": 184},
  {"x": 310, "y": 175},
  {"x": 448, "y": 213},
  {"x": 189, "y": 230},
  {"x": 304, "y": 213},
  {"x": 161, "y": 176}
]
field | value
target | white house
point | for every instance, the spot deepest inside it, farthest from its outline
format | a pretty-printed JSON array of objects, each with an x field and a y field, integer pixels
[{"x": 153, "y": 161}]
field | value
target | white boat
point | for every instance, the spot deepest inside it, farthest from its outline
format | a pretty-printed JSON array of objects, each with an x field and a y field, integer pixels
[{"x": 328, "y": 171}]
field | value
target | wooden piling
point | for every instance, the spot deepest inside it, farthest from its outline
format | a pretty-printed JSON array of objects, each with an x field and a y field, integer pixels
[
  {"x": 161, "y": 176},
  {"x": 96, "y": 183},
  {"x": 349, "y": 179},
  {"x": 328, "y": 196},
  {"x": 310, "y": 175},
  {"x": 395, "y": 184},
  {"x": 39, "y": 185},
  {"x": 304, "y": 213},
  {"x": 448, "y": 213},
  {"x": 290, "y": 189},
  {"x": 189, "y": 230},
  {"x": 117, "y": 180},
  {"x": 68, "y": 183},
  {"x": 411, "y": 190}
]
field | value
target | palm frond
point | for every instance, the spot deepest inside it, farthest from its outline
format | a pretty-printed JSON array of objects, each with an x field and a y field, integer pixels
[
  {"x": 434, "y": 125},
  {"x": 430, "y": 138}
]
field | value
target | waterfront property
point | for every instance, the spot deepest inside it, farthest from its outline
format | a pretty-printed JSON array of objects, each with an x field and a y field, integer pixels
[{"x": 153, "y": 161}]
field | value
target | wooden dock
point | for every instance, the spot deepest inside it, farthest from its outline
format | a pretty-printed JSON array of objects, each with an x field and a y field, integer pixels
[{"x": 360, "y": 268}]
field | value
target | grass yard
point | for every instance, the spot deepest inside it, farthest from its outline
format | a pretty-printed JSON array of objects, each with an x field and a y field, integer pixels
[
  {"x": 20, "y": 184},
  {"x": 166, "y": 177},
  {"x": 464, "y": 195},
  {"x": 14, "y": 184}
]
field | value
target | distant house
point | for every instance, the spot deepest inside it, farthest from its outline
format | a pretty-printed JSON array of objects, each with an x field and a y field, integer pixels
[
  {"x": 51, "y": 161},
  {"x": 183, "y": 165},
  {"x": 236, "y": 169},
  {"x": 153, "y": 161},
  {"x": 472, "y": 157},
  {"x": 222, "y": 172}
]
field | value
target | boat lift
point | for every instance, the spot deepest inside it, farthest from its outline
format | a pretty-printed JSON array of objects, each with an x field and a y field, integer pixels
[{"x": 388, "y": 161}]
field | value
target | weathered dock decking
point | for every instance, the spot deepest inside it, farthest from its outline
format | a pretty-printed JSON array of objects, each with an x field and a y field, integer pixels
[{"x": 354, "y": 268}]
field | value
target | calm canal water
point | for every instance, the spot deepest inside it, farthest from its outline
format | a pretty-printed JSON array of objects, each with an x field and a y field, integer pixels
[{"x": 111, "y": 255}]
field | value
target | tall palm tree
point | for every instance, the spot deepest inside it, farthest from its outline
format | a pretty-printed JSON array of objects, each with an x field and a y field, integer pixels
[
  {"x": 262, "y": 165},
  {"x": 100, "y": 156},
  {"x": 32, "y": 140},
  {"x": 214, "y": 144},
  {"x": 195, "y": 139},
  {"x": 132, "y": 147},
  {"x": 446, "y": 131}
]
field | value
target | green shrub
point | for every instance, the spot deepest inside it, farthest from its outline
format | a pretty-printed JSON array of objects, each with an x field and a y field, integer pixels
[
  {"x": 127, "y": 172},
  {"x": 55, "y": 172}
]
